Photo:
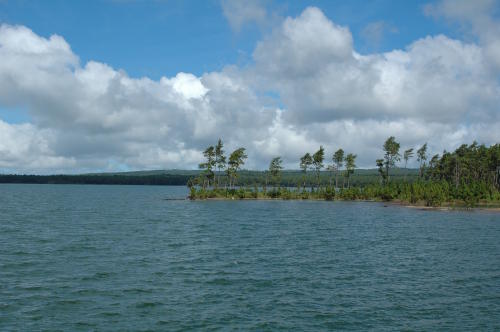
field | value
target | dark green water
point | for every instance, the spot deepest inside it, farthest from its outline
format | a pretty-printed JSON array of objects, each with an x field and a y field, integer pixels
[{"x": 122, "y": 258}]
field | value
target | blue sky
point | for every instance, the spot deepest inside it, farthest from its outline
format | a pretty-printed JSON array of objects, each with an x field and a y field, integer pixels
[{"x": 128, "y": 85}]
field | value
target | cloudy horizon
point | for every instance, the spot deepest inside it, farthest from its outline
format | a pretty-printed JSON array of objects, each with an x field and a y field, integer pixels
[{"x": 306, "y": 83}]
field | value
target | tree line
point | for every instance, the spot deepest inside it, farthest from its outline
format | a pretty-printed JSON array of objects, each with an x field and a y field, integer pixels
[
  {"x": 215, "y": 160},
  {"x": 468, "y": 164},
  {"x": 469, "y": 174},
  {"x": 159, "y": 179}
]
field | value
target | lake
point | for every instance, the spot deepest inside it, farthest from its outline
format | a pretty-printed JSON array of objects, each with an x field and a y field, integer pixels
[{"x": 124, "y": 258}]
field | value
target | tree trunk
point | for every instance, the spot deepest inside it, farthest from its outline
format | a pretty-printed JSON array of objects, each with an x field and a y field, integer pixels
[
  {"x": 218, "y": 177},
  {"x": 405, "y": 170}
]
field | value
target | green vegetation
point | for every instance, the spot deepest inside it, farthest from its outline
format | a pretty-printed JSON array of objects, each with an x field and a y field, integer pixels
[
  {"x": 288, "y": 178},
  {"x": 350, "y": 165},
  {"x": 338, "y": 161},
  {"x": 220, "y": 159},
  {"x": 275, "y": 169},
  {"x": 305, "y": 164},
  {"x": 157, "y": 178},
  {"x": 317, "y": 161},
  {"x": 421, "y": 158},
  {"x": 467, "y": 177},
  {"x": 391, "y": 148},
  {"x": 236, "y": 160}
]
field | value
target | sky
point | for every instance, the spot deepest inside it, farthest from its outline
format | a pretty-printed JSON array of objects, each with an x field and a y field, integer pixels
[{"x": 123, "y": 85}]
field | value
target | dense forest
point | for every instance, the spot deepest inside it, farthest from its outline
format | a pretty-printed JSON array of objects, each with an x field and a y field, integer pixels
[
  {"x": 157, "y": 179},
  {"x": 469, "y": 176},
  {"x": 289, "y": 178}
]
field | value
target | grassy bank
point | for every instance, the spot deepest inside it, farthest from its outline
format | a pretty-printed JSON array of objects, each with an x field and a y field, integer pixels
[{"x": 428, "y": 194}]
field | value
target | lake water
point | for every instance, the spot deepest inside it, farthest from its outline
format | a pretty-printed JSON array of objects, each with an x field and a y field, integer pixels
[{"x": 123, "y": 258}]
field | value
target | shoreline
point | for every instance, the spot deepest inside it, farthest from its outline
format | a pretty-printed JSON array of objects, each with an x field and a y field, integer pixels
[{"x": 445, "y": 207}]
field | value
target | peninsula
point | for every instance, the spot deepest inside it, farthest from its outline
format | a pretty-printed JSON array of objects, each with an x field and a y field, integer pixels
[{"x": 467, "y": 177}]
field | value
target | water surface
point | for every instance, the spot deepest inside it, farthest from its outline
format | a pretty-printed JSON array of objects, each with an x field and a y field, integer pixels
[{"x": 83, "y": 257}]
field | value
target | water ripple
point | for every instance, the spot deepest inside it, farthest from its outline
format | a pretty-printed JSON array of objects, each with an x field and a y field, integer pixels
[{"x": 125, "y": 258}]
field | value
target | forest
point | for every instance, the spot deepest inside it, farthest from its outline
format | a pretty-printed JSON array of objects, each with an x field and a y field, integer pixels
[
  {"x": 104, "y": 179},
  {"x": 467, "y": 177},
  {"x": 182, "y": 177}
]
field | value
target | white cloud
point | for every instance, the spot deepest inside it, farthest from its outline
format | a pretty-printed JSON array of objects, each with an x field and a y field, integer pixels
[
  {"x": 302, "y": 45},
  {"x": 478, "y": 18},
  {"x": 312, "y": 64},
  {"x": 100, "y": 116},
  {"x": 94, "y": 117},
  {"x": 24, "y": 148},
  {"x": 189, "y": 86}
]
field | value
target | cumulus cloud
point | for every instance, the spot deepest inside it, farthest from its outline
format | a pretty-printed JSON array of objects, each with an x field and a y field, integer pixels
[
  {"x": 434, "y": 78},
  {"x": 101, "y": 116},
  {"x": 478, "y": 18},
  {"x": 25, "y": 148},
  {"x": 307, "y": 86}
]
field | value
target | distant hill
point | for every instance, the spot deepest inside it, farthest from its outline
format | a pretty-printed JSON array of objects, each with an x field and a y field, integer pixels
[
  {"x": 149, "y": 173},
  {"x": 181, "y": 177}
]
